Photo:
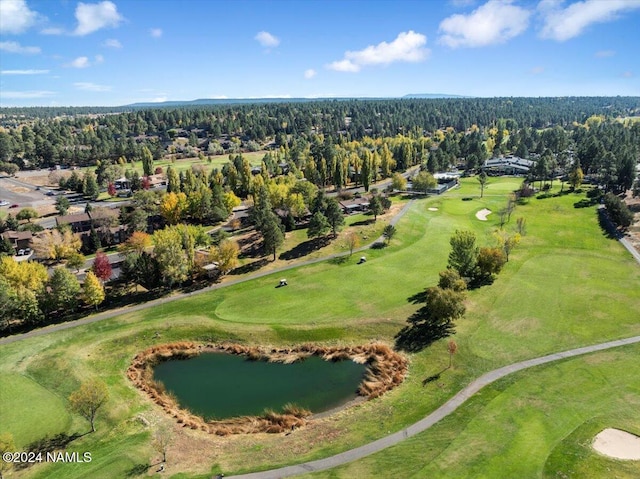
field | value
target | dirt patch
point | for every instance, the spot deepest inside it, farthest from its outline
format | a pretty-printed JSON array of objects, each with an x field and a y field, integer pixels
[
  {"x": 482, "y": 214},
  {"x": 618, "y": 444},
  {"x": 385, "y": 370}
]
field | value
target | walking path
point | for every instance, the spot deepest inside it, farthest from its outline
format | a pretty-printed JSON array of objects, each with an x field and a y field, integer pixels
[
  {"x": 130, "y": 309},
  {"x": 424, "y": 424}
]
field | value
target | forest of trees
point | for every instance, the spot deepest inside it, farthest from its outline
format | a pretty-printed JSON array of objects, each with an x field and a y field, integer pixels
[
  {"x": 334, "y": 143},
  {"x": 309, "y": 146}
]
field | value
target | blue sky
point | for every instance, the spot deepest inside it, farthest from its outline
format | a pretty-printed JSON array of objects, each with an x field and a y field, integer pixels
[{"x": 62, "y": 52}]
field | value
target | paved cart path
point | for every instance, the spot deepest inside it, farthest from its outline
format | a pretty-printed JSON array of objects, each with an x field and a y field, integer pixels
[
  {"x": 425, "y": 423},
  {"x": 130, "y": 309}
]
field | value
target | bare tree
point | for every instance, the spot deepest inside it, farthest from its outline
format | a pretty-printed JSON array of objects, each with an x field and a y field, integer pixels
[
  {"x": 161, "y": 440},
  {"x": 352, "y": 241},
  {"x": 452, "y": 347}
]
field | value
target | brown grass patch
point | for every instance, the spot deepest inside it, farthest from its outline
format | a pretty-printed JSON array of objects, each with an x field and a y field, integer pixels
[{"x": 385, "y": 370}]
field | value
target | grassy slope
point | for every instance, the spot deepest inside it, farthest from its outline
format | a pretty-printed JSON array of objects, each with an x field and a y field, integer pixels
[
  {"x": 554, "y": 294},
  {"x": 539, "y": 423}
]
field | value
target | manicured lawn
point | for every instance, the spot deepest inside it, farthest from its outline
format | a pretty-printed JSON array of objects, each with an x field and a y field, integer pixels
[
  {"x": 538, "y": 423},
  {"x": 566, "y": 285},
  {"x": 43, "y": 413}
]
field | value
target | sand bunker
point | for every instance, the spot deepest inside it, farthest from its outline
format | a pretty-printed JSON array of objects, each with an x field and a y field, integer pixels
[
  {"x": 618, "y": 444},
  {"x": 433, "y": 209},
  {"x": 482, "y": 214}
]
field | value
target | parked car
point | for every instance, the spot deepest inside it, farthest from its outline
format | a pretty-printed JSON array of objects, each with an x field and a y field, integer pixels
[
  {"x": 14, "y": 206},
  {"x": 3, "y": 203}
]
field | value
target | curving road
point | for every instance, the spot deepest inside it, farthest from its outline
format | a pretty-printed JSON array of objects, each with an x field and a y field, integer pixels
[{"x": 424, "y": 424}]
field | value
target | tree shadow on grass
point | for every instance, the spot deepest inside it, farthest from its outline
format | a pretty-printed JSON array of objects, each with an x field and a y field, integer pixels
[
  {"x": 364, "y": 222},
  {"x": 339, "y": 260},
  {"x": 250, "y": 267},
  {"x": 49, "y": 444},
  {"x": 138, "y": 470},
  {"x": 608, "y": 228},
  {"x": 413, "y": 339},
  {"x": 433, "y": 377},
  {"x": 305, "y": 248}
]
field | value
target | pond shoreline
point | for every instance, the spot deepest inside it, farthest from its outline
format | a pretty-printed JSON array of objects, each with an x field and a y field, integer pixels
[{"x": 385, "y": 370}]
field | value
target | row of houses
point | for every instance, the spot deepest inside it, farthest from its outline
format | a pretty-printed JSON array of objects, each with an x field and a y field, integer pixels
[{"x": 103, "y": 220}]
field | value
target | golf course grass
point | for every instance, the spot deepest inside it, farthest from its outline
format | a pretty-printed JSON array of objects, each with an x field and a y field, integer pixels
[{"x": 566, "y": 285}]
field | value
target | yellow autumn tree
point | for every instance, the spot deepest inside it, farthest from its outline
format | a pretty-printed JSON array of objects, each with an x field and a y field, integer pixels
[
  {"x": 24, "y": 274},
  {"x": 172, "y": 207},
  {"x": 93, "y": 290},
  {"x": 226, "y": 255},
  {"x": 52, "y": 244}
]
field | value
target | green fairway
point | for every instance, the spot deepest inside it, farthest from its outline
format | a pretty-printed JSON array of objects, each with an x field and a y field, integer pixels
[
  {"x": 566, "y": 285},
  {"x": 42, "y": 414},
  {"x": 538, "y": 423}
]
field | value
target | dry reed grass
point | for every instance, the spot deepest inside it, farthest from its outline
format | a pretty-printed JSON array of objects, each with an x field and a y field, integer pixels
[{"x": 385, "y": 370}]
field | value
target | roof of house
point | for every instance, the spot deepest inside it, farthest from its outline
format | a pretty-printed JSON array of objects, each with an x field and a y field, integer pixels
[
  {"x": 17, "y": 235},
  {"x": 355, "y": 202},
  {"x": 70, "y": 219}
]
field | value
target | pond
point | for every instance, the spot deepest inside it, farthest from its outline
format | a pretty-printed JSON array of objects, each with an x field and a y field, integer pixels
[{"x": 220, "y": 386}]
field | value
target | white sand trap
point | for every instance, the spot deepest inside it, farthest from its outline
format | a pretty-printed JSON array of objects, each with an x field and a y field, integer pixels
[
  {"x": 482, "y": 214},
  {"x": 618, "y": 444},
  {"x": 433, "y": 209}
]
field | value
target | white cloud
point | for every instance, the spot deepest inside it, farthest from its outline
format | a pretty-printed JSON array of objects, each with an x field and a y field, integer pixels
[
  {"x": 562, "y": 24},
  {"x": 407, "y": 47},
  {"x": 93, "y": 17},
  {"x": 26, "y": 94},
  {"x": 84, "y": 62},
  {"x": 52, "y": 31},
  {"x": 494, "y": 22},
  {"x": 155, "y": 32},
  {"x": 267, "y": 40},
  {"x": 87, "y": 86},
  {"x": 15, "y": 47},
  {"x": 310, "y": 73},
  {"x": 15, "y": 16},
  {"x": 628, "y": 75},
  {"x": 80, "y": 62},
  {"x": 343, "y": 66},
  {"x": 537, "y": 70},
  {"x": 112, "y": 43},
  {"x": 24, "y": 72}
]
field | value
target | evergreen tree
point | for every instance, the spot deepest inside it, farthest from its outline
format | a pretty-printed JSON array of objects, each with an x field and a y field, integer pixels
[
  {"x": 334, "y": 215},
  {"x": 375, "y": 207},
  {"x": 147, "y": 161},
  {"x": 318, "y": 225},
  {"x": 90, "y": 186},
  {"x": 173, "y": 181},
  {"x": 272, "y": 234}
]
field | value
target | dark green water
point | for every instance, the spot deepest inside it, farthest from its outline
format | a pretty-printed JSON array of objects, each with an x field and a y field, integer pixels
[{"x": 219, "y": 386}]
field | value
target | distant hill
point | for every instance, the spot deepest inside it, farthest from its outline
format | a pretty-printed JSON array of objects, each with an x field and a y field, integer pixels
[
  {"x": 433, "y": 95},
  {"x": 232, "y": 101}
]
